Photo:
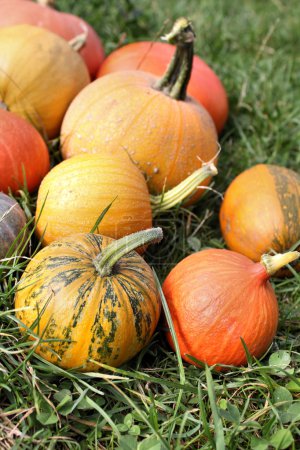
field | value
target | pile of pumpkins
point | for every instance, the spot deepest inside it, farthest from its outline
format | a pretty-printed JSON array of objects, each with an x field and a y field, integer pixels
[{"x": 138, "y": 135}]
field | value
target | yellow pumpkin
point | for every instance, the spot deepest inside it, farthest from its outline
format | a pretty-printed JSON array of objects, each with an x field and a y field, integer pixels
[
  {"x": 40, "y": 74},
  {"x": 90, "y": 300}
]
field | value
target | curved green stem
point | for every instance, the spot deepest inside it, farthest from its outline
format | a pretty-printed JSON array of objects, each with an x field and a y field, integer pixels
[
  {"x": 110, "y": 255},
  {"x": 176, "y": 78},
  {"x": 273, "y": 263},
  {"x": 184, "y": 189}
]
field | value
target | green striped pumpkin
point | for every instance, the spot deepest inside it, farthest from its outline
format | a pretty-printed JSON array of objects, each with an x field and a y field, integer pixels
[{"x": 90, "y": 301}]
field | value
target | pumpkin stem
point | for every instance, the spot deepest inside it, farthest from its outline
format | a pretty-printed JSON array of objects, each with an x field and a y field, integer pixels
[
  {"x": 177, "y": 76},
  {"x": 106, "y": 260},
  {"x": 78, "y": 42},
  {"x": 183, "y": 190},
  {"x": 273, "y": 263}
]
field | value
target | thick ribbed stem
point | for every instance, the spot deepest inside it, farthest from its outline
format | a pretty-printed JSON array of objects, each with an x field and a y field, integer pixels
[
  {"x": 175, "y": 80},
  {"x": 183, "y": 190},
  {"x": 106, "y": 260},
  {"x": 273, "y": 263}
]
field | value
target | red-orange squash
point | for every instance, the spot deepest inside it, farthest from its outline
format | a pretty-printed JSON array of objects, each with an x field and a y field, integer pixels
[
  {"x": 90, "y": 300},
  {"x": 204, "y": 85},
  {"x": 217, "y": 298},
  {"x": 24, "y": 156},
  {"x": 68, "y": 26},
  {"x": 164, "y": 132},
  {"x": 40, "y": 74},
  {"x": 261, "y": 211}
]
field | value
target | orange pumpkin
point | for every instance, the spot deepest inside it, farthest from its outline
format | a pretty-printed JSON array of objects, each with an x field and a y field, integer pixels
[
  {"x": 204, "y": 85},
  {"x": 37, "y": 78},
  {"x": 68, "y": 26},
  {"x": 164, "y": 132},
  {"x": 261, "y": 211},
  {"x": 75, "y": 192},
  {"x": 24, "y": 156},
  {"x": 217, "y": 298}
]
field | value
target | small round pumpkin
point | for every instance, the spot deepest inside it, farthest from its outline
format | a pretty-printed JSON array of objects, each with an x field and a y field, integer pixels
[
  {"x": 92, "y": 299},
  {"x": 12, "y": 227},
  {"x": 261, "y": 211},
  {"x": 37, "y": 78},
  {"x": 75, "y": 192},
  {"x": 24, "y": 156},
  {"x": 217, "y": 298},
  {"x": 204, "y": 85},
  {"x": 68, "y": 26},
  {"x": 164, "y": 132}
]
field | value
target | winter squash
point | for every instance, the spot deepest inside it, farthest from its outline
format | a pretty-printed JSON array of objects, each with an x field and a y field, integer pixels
[
  {"x": 12, "y": 227},
  {"x": 24, "y": 157},
  {"x": 68, "y": 26},
  {"x": 204, "y": 85},
  {"x": 37, "y": 78},
  {"x": 164, "y": 132},
  {"x": 75, "y": 192},
  {"x": 92, "y": 299},
  {"x": 261, "y": 211},
  {"x": 217, "y": 298}
]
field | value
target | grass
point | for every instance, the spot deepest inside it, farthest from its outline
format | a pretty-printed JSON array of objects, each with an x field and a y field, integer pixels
[{"x": 156, "y": 401}]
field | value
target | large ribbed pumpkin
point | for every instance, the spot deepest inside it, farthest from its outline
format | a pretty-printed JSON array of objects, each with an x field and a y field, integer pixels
[
  {"x": 24, "y": 156},
  {"x": 219, "y": 298},
  {"x": 91, "y": 299},
  {"x": 204, "y": 85},
  {"x": 164, "y": 132},
  {"x": 75, "y": 192},
  {"x": 68, "y": 26},
  {"x": 261, "y": 211},
  {"x": 12, "y": 227},
  {"x": 40, "y": 74}
]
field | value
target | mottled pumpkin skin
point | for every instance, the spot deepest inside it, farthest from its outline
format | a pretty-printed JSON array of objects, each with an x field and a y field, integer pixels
[
  {"x": 12, "y": 223},
  {"x": 261, "y": 211},
  {"x": 108, "y": 320},
  {"x": 154, "y": 57},
  {"x": 216, "y": 297},
  {"x": 75, "y": 192},
  {"x": 24, "y": 156},
  {"x": 68, "y": 26},
  {"x": 122, "y": 112},
  {"x": 37, "y": 78}
]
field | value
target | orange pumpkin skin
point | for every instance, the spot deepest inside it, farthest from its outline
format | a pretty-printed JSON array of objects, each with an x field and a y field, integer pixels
[
  {"x": 37, "y": 78},
  {"x": 122, "y": 112},
  {"x": 75, "y": 192},
  {"x": 204, "y": 85},
  {"x": 261, "y": 211},
  {"x": 68, "y": 26},
  {"x": 23, "y": 154},
  {"x": 216, "y": 297}
]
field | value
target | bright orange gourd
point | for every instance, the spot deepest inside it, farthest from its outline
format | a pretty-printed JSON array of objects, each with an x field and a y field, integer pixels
[
  {"x": 24, "y": 156},
  {"x": 164, "y": 132},
  {"x": 68, "y": 26},
  {"x": 261, "y": 211},
  {"x": 204, "y": 85},
  {"x": 75, "y": 192},
  {"x": 92, "y": 300},
  {"x": 218, "y": 297},
  {"x": 37, "y": 75}
]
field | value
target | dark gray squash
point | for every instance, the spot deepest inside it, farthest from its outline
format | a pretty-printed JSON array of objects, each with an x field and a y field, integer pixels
[{"x": 12, "y": 222}]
